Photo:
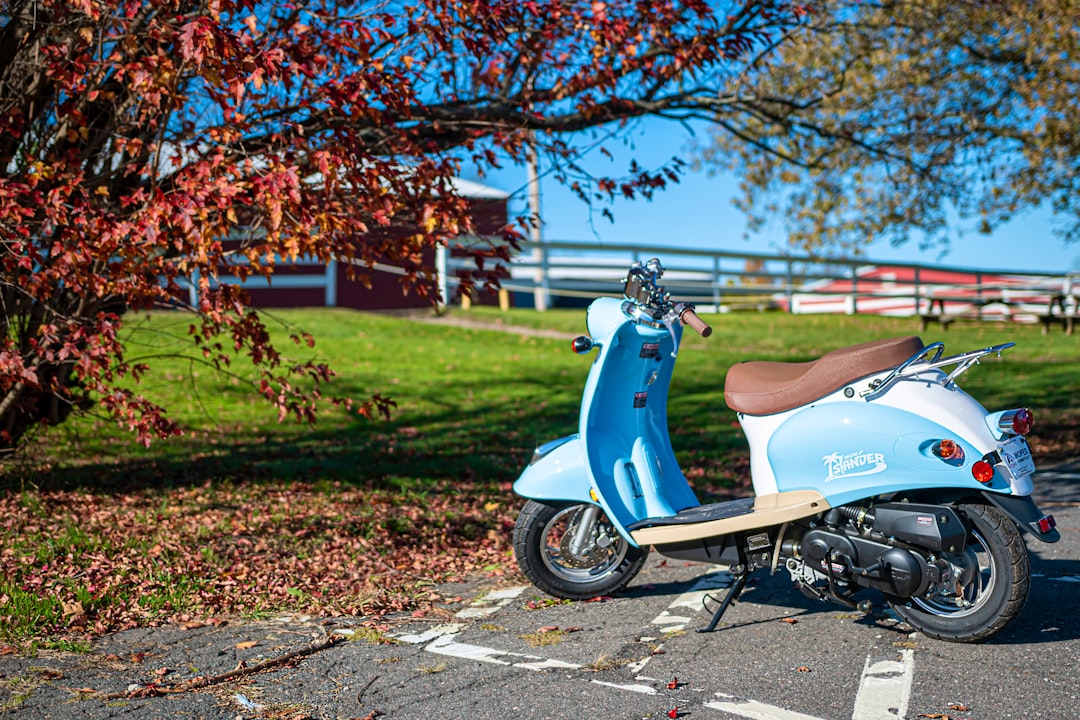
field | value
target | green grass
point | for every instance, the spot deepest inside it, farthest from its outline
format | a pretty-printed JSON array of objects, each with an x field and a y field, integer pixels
[
  {"x": 333, "y": 518},
  {"x": 472, "y": 403}
]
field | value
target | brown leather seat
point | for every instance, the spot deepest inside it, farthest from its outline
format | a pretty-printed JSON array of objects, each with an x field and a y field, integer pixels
[{"x": 762, "y": 388}]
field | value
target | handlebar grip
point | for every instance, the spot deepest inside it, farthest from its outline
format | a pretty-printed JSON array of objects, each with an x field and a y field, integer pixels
[{"x": 689, "y": 317}]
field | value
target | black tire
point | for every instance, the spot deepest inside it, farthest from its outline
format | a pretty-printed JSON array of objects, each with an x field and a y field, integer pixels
[
  {"x": 541, "y": 545},
  {"x": 994, "y": 589}
]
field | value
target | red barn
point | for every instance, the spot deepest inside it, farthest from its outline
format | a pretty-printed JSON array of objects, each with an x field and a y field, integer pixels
[{"x": 311, "y": 284}]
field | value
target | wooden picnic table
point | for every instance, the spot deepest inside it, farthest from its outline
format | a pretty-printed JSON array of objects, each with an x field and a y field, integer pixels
[
  {"x": 1066, "y": 315},
  {"x": 1060, "y": 308},
  {"x": 935, "y": 310}
]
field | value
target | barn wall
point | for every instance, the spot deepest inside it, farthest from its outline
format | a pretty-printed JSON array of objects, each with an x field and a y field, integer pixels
[{"x": 373, "y": 289}]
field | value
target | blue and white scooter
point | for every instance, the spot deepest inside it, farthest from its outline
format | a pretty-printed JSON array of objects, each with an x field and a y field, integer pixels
[{"x": 871, "y": 469}]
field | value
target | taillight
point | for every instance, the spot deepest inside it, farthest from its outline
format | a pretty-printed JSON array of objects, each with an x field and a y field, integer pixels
[
  {"x": 1046, "y": 523},
  {"x": 1017, "y": 421},
  {"x": 982, "y": 471}
]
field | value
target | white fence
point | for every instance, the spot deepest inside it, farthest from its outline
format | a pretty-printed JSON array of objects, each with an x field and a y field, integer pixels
[{"x": 720, "y": 281}]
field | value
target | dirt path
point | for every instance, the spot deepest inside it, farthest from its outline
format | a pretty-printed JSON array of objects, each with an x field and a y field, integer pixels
[{"x": 496, "y": 325}]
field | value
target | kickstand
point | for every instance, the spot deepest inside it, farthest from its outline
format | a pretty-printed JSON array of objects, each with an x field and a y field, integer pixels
[{"x": 732, "y": 596}]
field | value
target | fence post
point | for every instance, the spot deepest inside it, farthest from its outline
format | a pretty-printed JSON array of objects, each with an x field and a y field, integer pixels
[
  {"x": 330, "y": 296},
  {"x": 790, "y": 287},
  {"x": 540, "y": 277},
  {"x": 853, "y": 303},
  {"x": 918, "y": 299},
  {"x": 440, "y": 273},
  {"x": 979, "y": 294},
  {"x": 716, "y": 282},
  {"x": 193, "y": 289}
]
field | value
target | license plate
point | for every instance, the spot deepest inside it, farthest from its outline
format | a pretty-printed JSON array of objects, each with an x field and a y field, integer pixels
[{"x": 1017, "y": 457}]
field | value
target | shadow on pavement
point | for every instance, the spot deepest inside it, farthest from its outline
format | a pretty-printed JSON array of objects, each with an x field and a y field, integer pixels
[{"x": 1058, "y": 484}]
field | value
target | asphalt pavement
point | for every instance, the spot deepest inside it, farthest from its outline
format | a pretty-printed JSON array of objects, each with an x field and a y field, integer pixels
[{"x": 505, "y": 650}]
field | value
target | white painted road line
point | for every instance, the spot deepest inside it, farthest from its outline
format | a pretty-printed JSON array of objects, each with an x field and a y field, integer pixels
[
  {"x": 754, "y": 710},
  {"x": 693, "y": 600},
  {"x": 883, "y": 694},
  {"x": 885, "y": 689},
  {"x": 447, "y": 645},
  {"x": 491, "y": 602},
  {"x": 430, "y": 634},
  {"x": 643, "y": 689}
]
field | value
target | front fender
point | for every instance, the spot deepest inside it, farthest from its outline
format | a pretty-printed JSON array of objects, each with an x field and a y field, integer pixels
[{"x": 560, "y": 474}]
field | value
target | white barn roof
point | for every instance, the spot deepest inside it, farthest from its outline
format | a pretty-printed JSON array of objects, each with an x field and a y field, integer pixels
[{"x": 476, "y": 191}]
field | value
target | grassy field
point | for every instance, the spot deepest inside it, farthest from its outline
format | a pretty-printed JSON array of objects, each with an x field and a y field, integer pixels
[
  {"x": 473, "y": 403},
  {"x": 245, "y": 515}
]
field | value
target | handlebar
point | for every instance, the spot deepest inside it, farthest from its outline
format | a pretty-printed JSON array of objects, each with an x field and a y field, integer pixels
[
  {"x": 647, "y": 301},
  {"x": 687, "y": 316}
]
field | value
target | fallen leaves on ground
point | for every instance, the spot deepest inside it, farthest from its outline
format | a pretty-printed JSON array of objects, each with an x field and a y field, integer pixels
[
  {"x": 96, "y": 563},
  {"x": 546, "y": 603},
  {"x": 556, "y": 628}
]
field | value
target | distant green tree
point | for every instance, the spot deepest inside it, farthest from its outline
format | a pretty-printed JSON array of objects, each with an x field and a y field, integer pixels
[{"x": 900, "y": 119}]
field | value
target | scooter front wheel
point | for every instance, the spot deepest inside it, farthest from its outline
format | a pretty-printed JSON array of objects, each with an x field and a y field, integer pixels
[
  {"x": 571, "y": 551},
  {"x": 988, "y": 586}
]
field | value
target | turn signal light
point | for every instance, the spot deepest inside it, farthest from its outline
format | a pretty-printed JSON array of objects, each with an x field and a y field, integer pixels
[
  {"x": 949, "y": 450},
  {"x": 1017, "y": 421},
  {"x": 582, "y": 344},
  {"x": 982, "y": 471}
]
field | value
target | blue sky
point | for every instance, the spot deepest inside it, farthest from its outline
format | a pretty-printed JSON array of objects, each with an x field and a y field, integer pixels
[{"x": 698, "y": 213}]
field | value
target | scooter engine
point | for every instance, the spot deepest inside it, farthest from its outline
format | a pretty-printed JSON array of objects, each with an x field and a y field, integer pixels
[
  {"x": 892, "y": 548},
  {"x": 866, "y": 563}
]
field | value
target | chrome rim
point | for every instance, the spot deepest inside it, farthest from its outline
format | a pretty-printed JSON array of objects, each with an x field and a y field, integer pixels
[
  {"x": 601, "y": 555},
  {"x": 976, "y": 579}
]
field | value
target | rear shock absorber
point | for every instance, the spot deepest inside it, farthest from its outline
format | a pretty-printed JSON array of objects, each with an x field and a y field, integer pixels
[{"x": 858, "y": 515}]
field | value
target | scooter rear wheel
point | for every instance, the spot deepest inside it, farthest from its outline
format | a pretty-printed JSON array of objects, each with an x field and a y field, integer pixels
[
  {"x": 546, "y": 551},
  {"x": 993, "y": 575}
]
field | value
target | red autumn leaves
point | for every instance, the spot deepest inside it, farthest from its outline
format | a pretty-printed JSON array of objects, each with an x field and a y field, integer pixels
[
  {"x": 158, "y": 157},
  {"x": 193, "y": 555}
]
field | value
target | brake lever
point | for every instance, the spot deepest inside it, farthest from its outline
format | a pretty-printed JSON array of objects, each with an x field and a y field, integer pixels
[{"x": 669, "y": 321}]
